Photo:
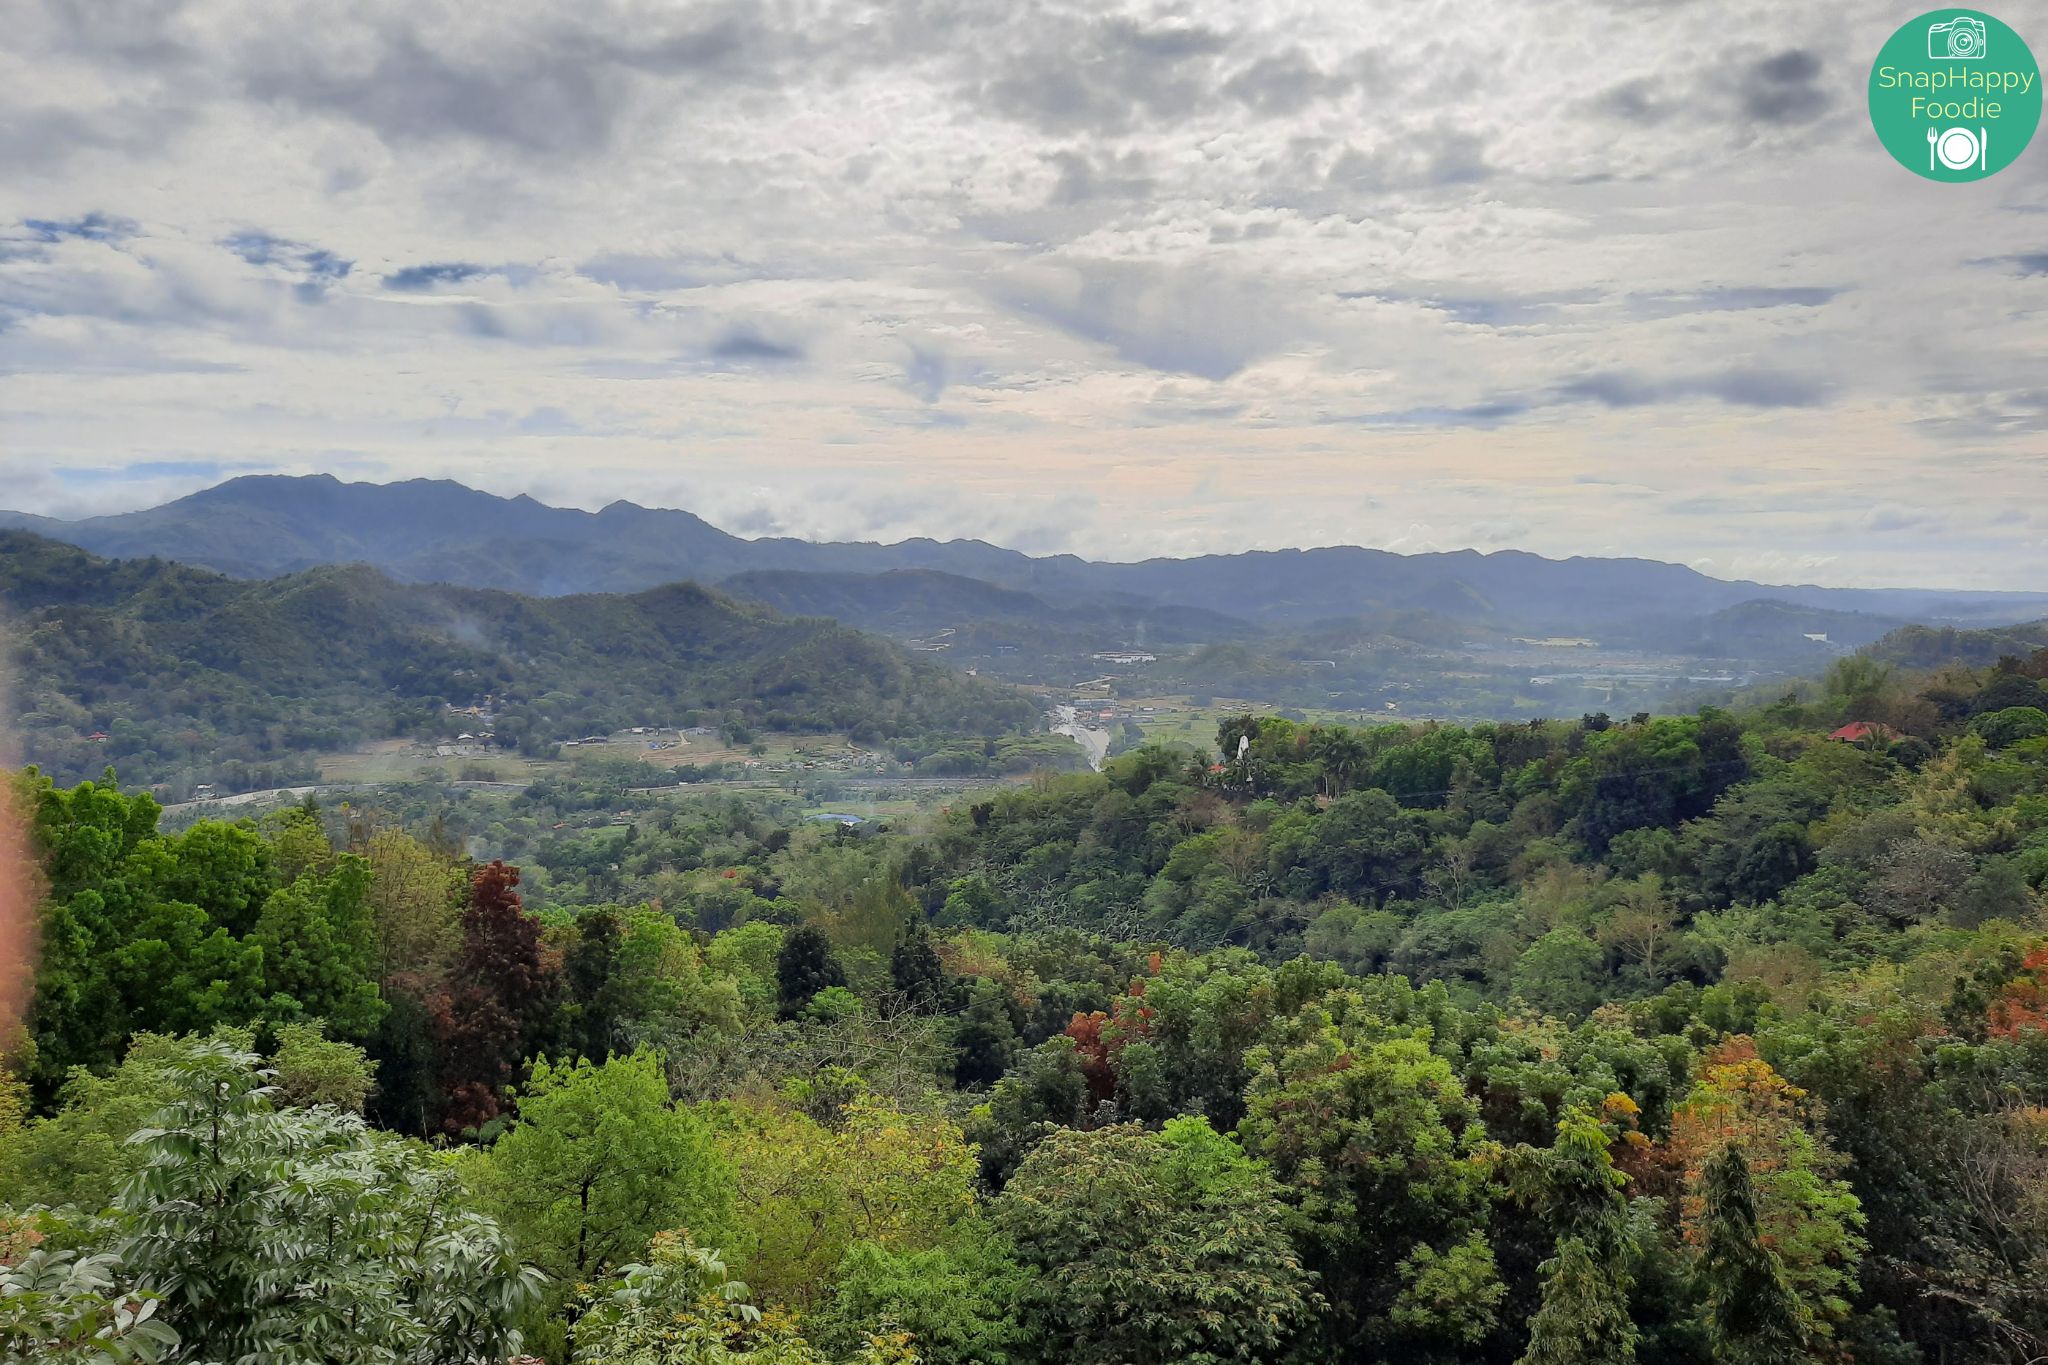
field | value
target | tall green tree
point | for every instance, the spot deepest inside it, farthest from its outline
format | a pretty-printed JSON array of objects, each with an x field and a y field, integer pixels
[
  {"x": 1151, "y": 1249},
  {"x": 138, "y": 932},
  {"x": 1585, "y": 1318},
  {"x": 1381, "y": 1153},
  {"x": 683, "y": 1307},
  {"x": 320, "y": 952},
  {"x": 636, "y": 979},
  {"x": 1753, "y": 1316},
  {"x": 599, "y": 1161},
  {"x": 59, "y": 1308},
  {"x": 916, "y": 972},
  {"x": 805, "y": 966}
]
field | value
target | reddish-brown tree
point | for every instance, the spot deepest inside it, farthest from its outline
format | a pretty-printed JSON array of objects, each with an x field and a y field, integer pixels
[
  {"x": 1093, "y": 1050},
  {"x": 498, "y": 1003},
  {"x": 2023, "y": 1005}
]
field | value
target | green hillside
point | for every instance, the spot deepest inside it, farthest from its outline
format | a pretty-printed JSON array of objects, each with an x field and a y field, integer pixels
[
  {"x": 181, "y": 670},
  {"x": 1933, "y": 647}
]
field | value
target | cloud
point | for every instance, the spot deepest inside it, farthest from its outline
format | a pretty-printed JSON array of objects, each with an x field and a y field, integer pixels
[
  {"x": 1764, "y": 388},
  {"x": 660, "y": 274},
  {"x": 1135, "y": 72},
  {"x": 1084, "y": 178},
  {"x": 1486, "y": 310},
  {"x": 1642, "y": 100},
  {"x": 560, "y": 84},
  {"x": 1289, "y": 81},
  {"x": 1426, "y": 158},
  {"x": 1194, "y": 321},
  {"x": 548, "y": 102},
  {"x": 1890, "y": 517},
  {"x": 1486, "y": 414},
  {"x": 1786, "y": 88}
]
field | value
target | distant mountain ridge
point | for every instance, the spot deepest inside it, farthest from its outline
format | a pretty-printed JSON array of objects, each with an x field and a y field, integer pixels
[{"x": 438, "y": 531}]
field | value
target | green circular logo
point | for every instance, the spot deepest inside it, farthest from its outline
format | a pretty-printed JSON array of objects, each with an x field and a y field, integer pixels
[{"x": 1955, "y": 95}]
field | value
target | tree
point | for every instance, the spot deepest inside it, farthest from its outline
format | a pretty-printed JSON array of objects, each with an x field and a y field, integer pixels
[
  {"x": 311, "y": 1069},
  {"x": 1379, "y": 1150},
  {"x": 1642, "y": 926},
  {"x": 138, "y": 932},
  {"x": 1365, "y": 846},
  {"x": 747, "y": 953},
  {"x": 1585, "y": 1318},
  {"x": 319, "y": 950},
  {"x": 1810, "y": 1217},
  {"x": 300, "y": 1234},
  {"x": 79, "y": 1155},
  {"x": 806, "y": 1191},
  {"x": 957, "y": 1301},
  {"x": 682, "y": 1307},
  {"x": 1357, "y": 939},
  {"x": 504, "y": 992},
  {"x": 637, "y": 979},
  {"x": 1047, "y": 1089},
  {"x": 1151, "y": 1248},
  {"x": 985, "y": 1034},
  {"x": 1772, "y": 861},
  {"x": 57, "y": 1306},
  {"x": 916, "y": 972},
  {"x": 803, "y": 967},
  {"x": 2014, "y": 724},
  {"x": 1753, "y": 1317},
  {"x": 1561, "y": 973},
  {"x": 597, "y": 1162},
  {"x": 415, "y": 902}
]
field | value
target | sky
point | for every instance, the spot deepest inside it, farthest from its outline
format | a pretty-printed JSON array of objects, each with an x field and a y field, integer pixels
[{"x": 1575, "y": 276}]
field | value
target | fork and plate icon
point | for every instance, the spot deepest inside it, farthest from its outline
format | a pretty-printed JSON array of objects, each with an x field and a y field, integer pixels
[{"x": 1958, "y": 148}]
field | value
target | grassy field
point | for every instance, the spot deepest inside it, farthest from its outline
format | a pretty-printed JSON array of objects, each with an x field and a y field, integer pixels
[
  {"x": 703, "y": 749},
  {"x": 397, "y": 760}
]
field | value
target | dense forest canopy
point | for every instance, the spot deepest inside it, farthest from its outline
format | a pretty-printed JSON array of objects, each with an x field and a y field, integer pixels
[{"x": 1706, "y": 1038}]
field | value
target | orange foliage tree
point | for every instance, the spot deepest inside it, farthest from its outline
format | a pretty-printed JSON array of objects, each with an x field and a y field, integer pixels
[{"x": 1805, "y": 1214}]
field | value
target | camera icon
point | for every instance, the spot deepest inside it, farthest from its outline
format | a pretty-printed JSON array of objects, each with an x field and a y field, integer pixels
[{"x": 1960, "y": 37}]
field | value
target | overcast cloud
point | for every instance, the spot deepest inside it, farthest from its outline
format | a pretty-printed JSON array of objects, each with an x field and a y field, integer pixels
[{"x": 1574, "y": 276}]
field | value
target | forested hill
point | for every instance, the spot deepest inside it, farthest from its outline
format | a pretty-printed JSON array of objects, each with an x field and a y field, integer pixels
[
  {"x": 173, "y": 666},
  {"x": 1931, "y": 647}
]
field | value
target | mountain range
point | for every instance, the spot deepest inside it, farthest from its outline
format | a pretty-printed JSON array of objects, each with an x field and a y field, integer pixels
[{"x": 436, "y": 531}]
